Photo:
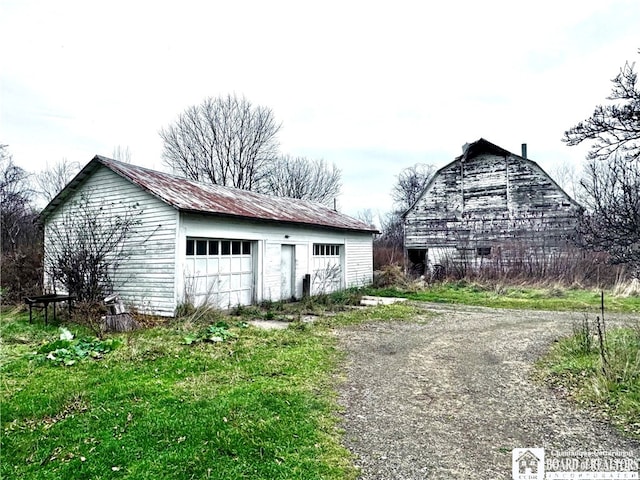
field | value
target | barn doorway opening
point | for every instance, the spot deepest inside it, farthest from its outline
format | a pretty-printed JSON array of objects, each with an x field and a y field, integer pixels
[{"x": 417, "y": 261}]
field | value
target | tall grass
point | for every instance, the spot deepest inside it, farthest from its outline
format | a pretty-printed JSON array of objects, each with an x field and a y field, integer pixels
[
  {"x": 604, "y": 376},
  {"x": 514, "y": 263}
]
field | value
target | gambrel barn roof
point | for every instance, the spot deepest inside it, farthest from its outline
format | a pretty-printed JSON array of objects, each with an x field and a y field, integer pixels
[
  {"x": 195, "y": 197},
  {"x": 482, "y": 146}
]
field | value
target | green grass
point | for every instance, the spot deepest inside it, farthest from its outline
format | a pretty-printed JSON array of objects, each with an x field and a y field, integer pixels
[
  {"x": 574, "y": 364},
  {"x": 169, "y": 403},
  {"x": 530, "y": 298},
  {"x": 260, "y": 405}
]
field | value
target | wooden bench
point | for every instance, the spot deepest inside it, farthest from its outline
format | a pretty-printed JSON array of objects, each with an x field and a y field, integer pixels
[{"x": 43, "y": 301}]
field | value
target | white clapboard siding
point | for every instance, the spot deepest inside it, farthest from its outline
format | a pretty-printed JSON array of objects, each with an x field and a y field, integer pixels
[
  {"x": 146, "y": 279},
  {"x": 359, "y": 259}
]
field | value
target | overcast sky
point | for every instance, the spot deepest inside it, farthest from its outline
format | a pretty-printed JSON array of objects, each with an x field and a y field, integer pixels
[{"x": 373, "y": 87}]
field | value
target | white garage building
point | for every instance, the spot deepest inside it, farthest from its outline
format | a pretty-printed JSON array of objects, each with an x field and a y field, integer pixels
[{"x": 197, "y": 242}]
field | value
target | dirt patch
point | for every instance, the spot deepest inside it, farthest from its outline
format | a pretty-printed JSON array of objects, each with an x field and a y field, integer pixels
[{"x": 452, "y": 396}]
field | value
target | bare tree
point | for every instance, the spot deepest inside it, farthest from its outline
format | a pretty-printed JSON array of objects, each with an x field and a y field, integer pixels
[
  {"x": 611, "y": 221},
  {"x": 392, "y": 229},
  {"x": 224, "y": 140},
  {"x": 366, "y": 215},
  {"x": 122, "y": 154},
  {"x": 410, "y": 184},
  {"x": 53, "y": 179},
  {"x": 614, "y": 128},
  {"x": 388, "y": 246},
  {"x": 21, "y": 261},
  {"x": 568, "y": 177},
  {"x": 299, "y": 177},
  {"x": 84, "y": 249},
  {"x": 16, "y": 211}
]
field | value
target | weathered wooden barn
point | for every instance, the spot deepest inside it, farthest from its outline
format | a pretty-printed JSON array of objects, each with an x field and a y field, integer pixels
[
  {"x": 488, "y": 205},
  {"x": 196, "y": 242}
]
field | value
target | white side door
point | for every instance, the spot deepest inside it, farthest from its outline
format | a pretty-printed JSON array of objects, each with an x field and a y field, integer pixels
[{"x": 287, "y": 272}]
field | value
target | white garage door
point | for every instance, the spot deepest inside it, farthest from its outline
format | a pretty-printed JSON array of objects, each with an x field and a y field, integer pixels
[
  {"x": 219, "y": 272},
  {"x": 327, "y": 263}
]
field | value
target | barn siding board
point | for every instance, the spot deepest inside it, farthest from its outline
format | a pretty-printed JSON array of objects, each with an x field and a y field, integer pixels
[{"x": 490, "y": 198}]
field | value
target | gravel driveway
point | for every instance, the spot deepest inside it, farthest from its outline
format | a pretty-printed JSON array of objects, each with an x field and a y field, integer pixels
[{"x": 449, "y": 397}]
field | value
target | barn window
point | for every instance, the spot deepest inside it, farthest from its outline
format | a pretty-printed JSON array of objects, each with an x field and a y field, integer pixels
[
  {"x": 323, "y": 250},
  {"x": 483, "y": 251},
  {"x": 190, "y": 247}
]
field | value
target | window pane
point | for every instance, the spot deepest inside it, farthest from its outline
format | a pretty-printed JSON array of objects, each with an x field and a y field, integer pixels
[
  {"x": 337, "y": 249},
  {"x": 235, "y": 248},
  {"x": 226, "y": 247},
  {"x": 213, "y": 247},
  {"x": 190, "y": 246},
  {"x": 246, "y": 248},
  {"x": 201, "y": 247}
]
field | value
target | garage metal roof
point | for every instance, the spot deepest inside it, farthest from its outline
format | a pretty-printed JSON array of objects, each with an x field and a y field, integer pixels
[{"x": 196, "y": 197}]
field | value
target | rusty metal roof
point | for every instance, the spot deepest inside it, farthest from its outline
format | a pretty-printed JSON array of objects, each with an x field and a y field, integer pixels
[{"x": 196, "y": 197}]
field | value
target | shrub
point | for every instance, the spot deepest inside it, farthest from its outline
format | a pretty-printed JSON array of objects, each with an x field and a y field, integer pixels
[
  {"x": 21, "y": 273},
  {"x": 390, "y": 275}
]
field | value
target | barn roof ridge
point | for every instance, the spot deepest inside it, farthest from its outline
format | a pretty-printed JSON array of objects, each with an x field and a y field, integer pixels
[{"x": 197, "y": 197}]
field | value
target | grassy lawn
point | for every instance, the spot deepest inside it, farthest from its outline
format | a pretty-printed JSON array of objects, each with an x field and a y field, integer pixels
[
  {"x": 501, "y": 296},
  {"x": 191, "y": 399},
  {"x": 163, "y": 404}
]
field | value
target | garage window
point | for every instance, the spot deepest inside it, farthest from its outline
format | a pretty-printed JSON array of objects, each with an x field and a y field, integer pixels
[
  {"x": 203, "y": 248},
  {"x": 326, "y": 250}
]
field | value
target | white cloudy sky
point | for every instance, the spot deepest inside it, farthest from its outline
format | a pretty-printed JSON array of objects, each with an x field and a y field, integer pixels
[{"x": 371, "y": 86}]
